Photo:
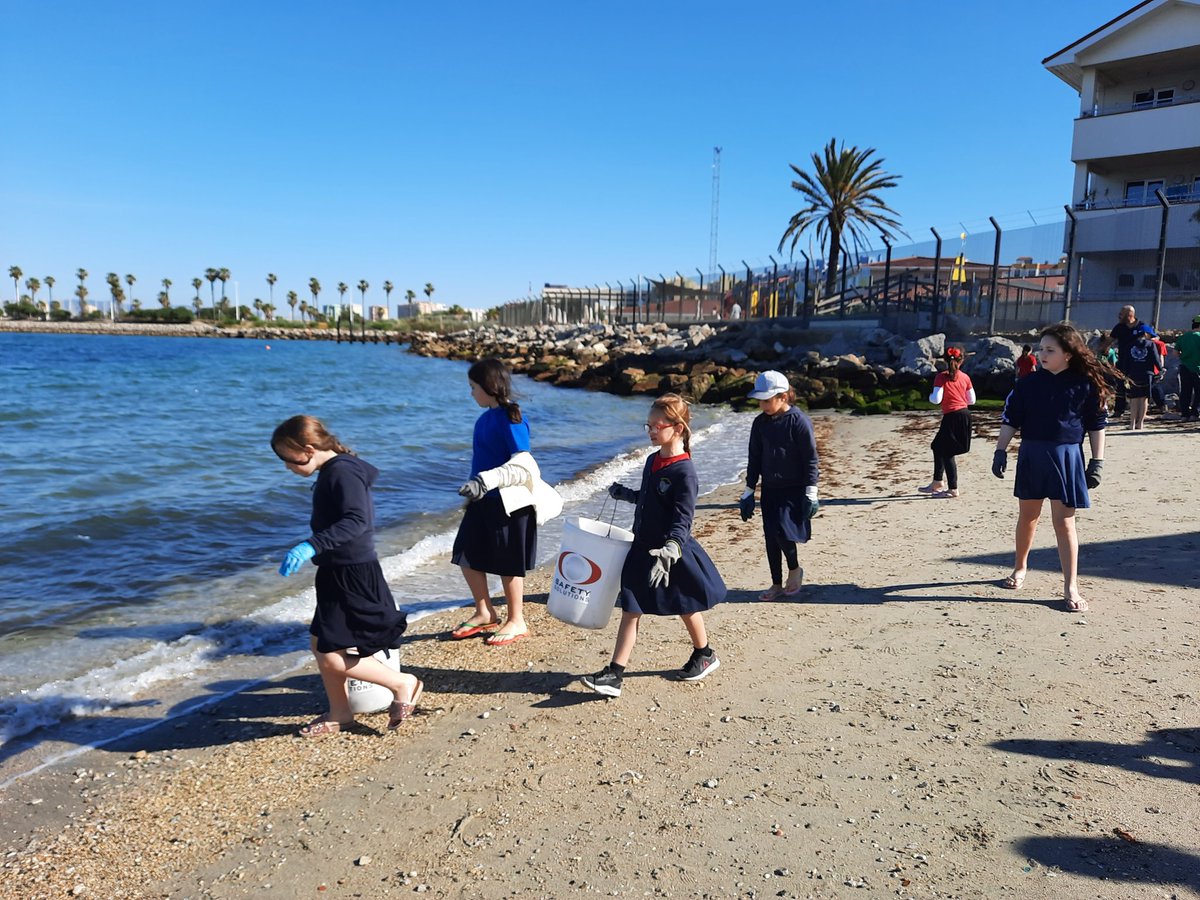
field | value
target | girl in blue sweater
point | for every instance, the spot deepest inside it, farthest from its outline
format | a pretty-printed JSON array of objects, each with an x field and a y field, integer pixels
[
  {"x": 667, "y": 572},
  {"x": 356, "y": 616},
  {"x": 783, "y": 453},
  {"x": 1053, "y": 408}
]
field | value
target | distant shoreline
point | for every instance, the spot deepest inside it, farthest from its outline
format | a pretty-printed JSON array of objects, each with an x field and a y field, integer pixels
[{"x": 197, "y": 329}]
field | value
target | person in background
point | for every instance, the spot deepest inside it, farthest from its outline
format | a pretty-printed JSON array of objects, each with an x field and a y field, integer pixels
[
  {"x": 953, "y": 391},
  {"x": 1122, "y": 337},
  {"x": 783, "y": 453},
  {"x": 667, "y": 572},
  {"x": 1026, "y": 362},
  {"x": 1187, "y": 345},
  {"x": 1158, "y": 392},
  {"x": 1144, "y": 362},
  {"x": 356, "y": 616},
  {"x": 1054, "y": 408}
]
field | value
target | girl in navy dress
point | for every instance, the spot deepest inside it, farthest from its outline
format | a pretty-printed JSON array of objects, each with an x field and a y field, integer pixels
[
  {"x": 953, "y": 391},
  {"x": 783, "y": 453},
  {"x": 1144, "y": 361},
  {"x": 667, "y": 573},
  {"x": 356, "y": 616},
  {"x": 491, "y": 539},
  {"x": 1053, "y": 408}
]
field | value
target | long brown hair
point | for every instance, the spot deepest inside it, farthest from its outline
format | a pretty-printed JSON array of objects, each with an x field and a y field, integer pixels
[
  {"x": 299, "y": 432},
  {"x": 954, "y": 360},
  {"x": 675, "y": 410},
  {"x": 492, "y": 376},
  {"x": 1082, "y": 360}
]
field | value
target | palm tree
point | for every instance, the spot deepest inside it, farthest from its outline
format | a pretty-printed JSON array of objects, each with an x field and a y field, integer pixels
[
  {"x": 341, "y": 289},
  {"x": 49, "y": 279},
  {"x": 362, "y": 293},
  {"x": 197, "y": 303},
  {"x": 271, "y": 279},
  {"x": 223, "y": 276},
  {"x": 15, "y": 273},
  {"x": 211, "y": 275},
  {"x": 409, "y": 296},
  {"x": 113, "y": 280},
  {"x": 428, "y": 289},
  {"x": 388, "y": 287},
  {"x": 166, "y": 283},
  {"x": 303, "y": 308},
  {"x": 291, "y": 298},
  {"x": 129, "y": 280},
  {"x": 842, "y": 195},
  {"x": 269, "y": 311},
  {"x": 81, "y": 292},
  {"x": 258, "y": 305},
  {"x": 314, "y": 288},
  {"x": 164, "y": 299},
  {"x": 33, "y": 285}
]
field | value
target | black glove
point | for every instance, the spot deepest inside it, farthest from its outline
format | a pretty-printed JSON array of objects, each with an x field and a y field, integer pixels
[
  {"x": 618, "y": 491},
  {"x": 999, "y": 463},
  {"x": 473, "y": 490},
  {"x": 746, "y": 505},
  {"x": 1093, "y": 473}
]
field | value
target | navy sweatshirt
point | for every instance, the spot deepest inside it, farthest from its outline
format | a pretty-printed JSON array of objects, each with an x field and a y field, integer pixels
[
  {"x": 1059, "y": 408},
  {"x": 343, "y": 516},
  {"x": 783, "y": 451}
]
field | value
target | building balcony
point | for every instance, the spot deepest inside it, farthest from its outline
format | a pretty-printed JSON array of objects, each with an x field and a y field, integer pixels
[
  {"x": 1115, "y": 230},
  {"x": 1137, "y": 132}
]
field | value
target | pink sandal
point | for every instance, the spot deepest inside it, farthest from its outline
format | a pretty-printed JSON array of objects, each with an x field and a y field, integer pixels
[{"x": 399, "y": 712}]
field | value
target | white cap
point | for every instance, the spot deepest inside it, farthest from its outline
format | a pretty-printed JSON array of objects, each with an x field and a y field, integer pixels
[{"x": 768, "y": 384}]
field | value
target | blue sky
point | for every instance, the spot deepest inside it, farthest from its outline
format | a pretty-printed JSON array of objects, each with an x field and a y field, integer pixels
[{"x": 487, "y": 147}]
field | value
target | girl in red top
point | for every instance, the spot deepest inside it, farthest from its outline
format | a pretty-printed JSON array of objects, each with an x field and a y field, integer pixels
[{"x": 954, "y": 391}]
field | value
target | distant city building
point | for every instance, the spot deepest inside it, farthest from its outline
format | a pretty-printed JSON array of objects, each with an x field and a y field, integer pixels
[
  {"x": 1138, "y": 133},
  {"x": 418, "y": 308}
]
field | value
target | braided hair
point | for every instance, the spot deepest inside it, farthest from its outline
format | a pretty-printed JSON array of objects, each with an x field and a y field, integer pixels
[{"x": 676, "y": 411}]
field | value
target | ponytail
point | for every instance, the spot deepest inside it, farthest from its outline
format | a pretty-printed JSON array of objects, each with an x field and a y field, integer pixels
[
  {"x": 676, "y": 411},
  {"x": 492, "y": 376}
]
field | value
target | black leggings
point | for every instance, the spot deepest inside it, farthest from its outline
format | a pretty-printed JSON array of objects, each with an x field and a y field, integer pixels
[
  {"x": 777, "y": 546},
  {"x": 949, "y": 466}
]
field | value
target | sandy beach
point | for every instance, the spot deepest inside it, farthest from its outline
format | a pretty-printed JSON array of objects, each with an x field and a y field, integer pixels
[{"x": 907, "y": 728}]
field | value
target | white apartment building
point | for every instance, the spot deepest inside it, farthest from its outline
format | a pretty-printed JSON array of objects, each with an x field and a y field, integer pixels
[{"x": 1138, "y": 133}]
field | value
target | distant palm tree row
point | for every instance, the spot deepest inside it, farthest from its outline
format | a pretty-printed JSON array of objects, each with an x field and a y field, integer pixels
[{"x": 52, "y": 308}]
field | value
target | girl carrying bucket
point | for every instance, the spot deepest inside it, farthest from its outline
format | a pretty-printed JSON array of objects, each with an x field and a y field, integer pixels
[
  {"x": 356, "y": 616},
  {"x": 953, "y": 391},
  {"x": 491, "y": 538},
  {"x": 783, "y": 453},
  {"x": 667, "y": 572}
]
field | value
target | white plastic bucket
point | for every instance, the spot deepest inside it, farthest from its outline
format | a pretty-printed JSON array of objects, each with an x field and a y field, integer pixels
[
  {"x": 587, "y": 572},
  {"x": 366, "y": 697}
]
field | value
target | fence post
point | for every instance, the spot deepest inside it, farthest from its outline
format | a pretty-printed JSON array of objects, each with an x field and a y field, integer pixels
[
  {"x": 995, "y": 273},
  {"x": 807, "y": 309},
  {"x": 1162, "y": 256},
  {"x": 937, "y": 271},
  {"x": 887, "y": 268},
  {"x": 1068, "y": 284},
  {"x": 774, "y": 287}
]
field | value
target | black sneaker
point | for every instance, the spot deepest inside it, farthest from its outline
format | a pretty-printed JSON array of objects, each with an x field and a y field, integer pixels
[
  {"x": 606, "y": 682},
  {"x": 698, "y": 666}
]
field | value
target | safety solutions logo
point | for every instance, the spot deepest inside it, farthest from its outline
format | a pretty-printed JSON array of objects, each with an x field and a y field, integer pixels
[{"x": 574, "y": 572}]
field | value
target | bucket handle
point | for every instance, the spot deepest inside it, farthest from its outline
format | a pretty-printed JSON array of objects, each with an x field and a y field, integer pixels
[{"x": 612, "y": 516}]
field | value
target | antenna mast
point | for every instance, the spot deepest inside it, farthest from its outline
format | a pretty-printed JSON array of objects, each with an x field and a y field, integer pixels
[{"x": 716, "y": 205}]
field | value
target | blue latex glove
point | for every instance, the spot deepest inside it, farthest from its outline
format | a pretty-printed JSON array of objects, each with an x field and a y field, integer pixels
[
  {"x": 999, "y": 463},
  {"x": 664, "y": 557},
  {"x": 296, "y": 557},
  {"x": 746, "y": 505},
  {"x": 473, "y": 490},
  {"x": 618, "y": 491}
]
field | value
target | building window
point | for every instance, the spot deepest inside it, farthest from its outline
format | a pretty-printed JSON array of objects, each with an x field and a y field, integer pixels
[
  {"x": 1148, "y": 282},
  {"x": 1139, "y": 193},
  {"x": 1124, "y": 281},
  {"x": 1152, "y": 98}
]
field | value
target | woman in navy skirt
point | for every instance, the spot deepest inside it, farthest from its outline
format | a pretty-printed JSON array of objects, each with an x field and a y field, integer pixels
[
  {"x": 356, "y": 616},
  {"x": 667, "y": 572},
  {"x": 783, "y": 453},
  {"x": 1053, "y": 408},
  {"x": 490, "y": 538}
]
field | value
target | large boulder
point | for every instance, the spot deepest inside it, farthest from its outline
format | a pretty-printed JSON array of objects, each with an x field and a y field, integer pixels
[{"x": 919, "y": 356}]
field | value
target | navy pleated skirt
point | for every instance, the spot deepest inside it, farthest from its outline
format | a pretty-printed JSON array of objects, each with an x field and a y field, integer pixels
[
  {"x": 695, "y": 584},
  {"x": 1050, "y": 471},
  {"x": 491, "y": 541},
  {"x": 782, "y": 510},
  {"x": 355, "y": 609}
]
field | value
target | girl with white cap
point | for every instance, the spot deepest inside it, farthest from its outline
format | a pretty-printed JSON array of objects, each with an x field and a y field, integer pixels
[{"x": 783, "y": 455}]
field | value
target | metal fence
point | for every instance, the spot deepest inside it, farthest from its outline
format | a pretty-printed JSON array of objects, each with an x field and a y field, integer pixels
[{"x": 988, "y": 276}]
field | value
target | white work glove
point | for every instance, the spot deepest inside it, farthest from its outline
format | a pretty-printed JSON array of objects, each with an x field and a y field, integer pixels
[{"x": 665, "y": 556}]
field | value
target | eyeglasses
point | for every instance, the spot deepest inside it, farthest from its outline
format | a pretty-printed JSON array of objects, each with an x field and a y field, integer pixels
[{"x": 650, "y": 426}]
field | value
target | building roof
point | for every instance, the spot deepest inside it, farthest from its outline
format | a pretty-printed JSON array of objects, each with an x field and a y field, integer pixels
[{"x": 1062, "y": 63}]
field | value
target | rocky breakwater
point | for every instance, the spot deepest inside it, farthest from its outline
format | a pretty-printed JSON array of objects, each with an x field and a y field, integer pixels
[{"x": 871, "y": 370}]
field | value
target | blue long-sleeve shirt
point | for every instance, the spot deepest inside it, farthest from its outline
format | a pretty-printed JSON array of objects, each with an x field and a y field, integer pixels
[
  {"x": 343, "y": 515},
  {"x": 783, "y": 451},
  {"x": 495, "y": 439},
  {"x": 1060, "y": 408}
]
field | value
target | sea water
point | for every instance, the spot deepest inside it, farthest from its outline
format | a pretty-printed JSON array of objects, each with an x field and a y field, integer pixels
[{"x": 143, "y": 514}]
